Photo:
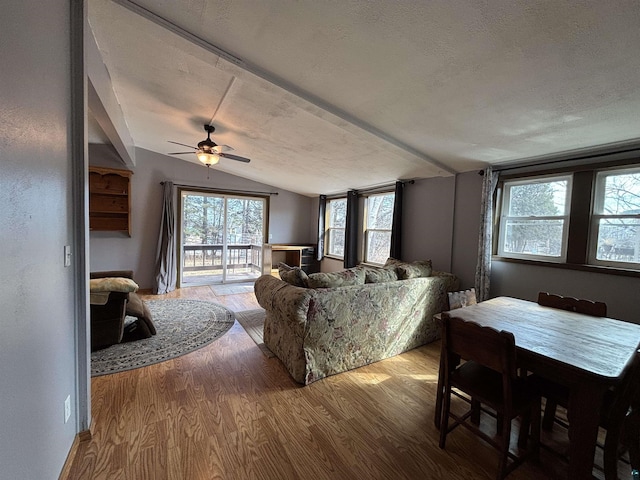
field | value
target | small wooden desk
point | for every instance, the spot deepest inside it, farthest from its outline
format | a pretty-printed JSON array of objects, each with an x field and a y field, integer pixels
[{"x": 588, "y": 354}]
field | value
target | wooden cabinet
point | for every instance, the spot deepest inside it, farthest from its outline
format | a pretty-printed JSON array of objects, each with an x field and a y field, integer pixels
[
  {"x": 303, "y": 256},
  {"x": 110, "y": 199}
]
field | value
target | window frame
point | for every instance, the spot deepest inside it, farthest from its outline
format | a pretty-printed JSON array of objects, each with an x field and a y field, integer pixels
[
  {"x": 580, "y": 220},
  {"x": 504, "y": 217},
  {"x": 366, "y": 229},
  {"x": 597, "y": 214},
  {"x": 330, "y": 228}
]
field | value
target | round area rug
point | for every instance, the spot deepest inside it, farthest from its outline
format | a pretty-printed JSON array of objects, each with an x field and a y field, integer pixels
[{"x": 182, "y": 326}]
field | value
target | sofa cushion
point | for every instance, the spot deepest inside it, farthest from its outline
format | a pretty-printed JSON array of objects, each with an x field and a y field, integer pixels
[
  {"x": 343, "y": 278},
  {"x": 292, "y": 275},
  {"x": 406, "y": 270},
  {"x": 380, "y": 275}
]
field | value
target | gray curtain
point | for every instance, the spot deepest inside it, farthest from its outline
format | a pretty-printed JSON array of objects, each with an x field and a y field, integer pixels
[
  {"x": 322, "y": 210},
  {"x": 396, "y": 227},
  {"x": 166, "y": 268},
  {"x": 485, "y": 240},
  {"x": 351, "y": 231}
]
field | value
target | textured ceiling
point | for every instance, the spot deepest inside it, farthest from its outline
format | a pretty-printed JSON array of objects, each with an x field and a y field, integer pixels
[{"x": 366, "y": 92}]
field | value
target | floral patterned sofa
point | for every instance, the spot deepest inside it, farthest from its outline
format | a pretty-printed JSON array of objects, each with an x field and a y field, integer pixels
[{"x": 372, "y": 315}]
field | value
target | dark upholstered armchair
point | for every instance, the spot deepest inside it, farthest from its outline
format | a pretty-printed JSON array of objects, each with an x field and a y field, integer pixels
[{"x": 108, "y": 313}]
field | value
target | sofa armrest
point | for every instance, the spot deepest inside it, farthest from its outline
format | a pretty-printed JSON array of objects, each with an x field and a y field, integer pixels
[{"x": 285, "y": 322}]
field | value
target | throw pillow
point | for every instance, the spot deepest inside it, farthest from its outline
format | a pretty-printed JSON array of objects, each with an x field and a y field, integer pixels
[
  {"x": 414, "y": 269},
  {"x": 292, "y": 275},
  {"x": 344, "y": 278},
  {"x": 380, "y": 275}
]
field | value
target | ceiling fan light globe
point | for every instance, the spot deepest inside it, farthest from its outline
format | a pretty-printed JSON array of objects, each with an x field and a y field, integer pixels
[{"x": 207, "y": 158}]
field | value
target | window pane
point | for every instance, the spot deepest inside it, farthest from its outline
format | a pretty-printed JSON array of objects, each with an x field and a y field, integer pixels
[
  {"x": 533, "y": 237},
  {"x": 378, "y": 245},
  {"x": 540, "y": 198},
  {"x": 619, "y": 240},
  {"x": 380, "y": 211},
  {"x": 336, "y": 242},
  {"x": 622, "y": 194},
  {"x": 337, "y": 213}
]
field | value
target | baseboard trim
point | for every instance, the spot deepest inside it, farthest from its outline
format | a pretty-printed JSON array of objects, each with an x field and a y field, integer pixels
[{"x": 83, "y": 436}]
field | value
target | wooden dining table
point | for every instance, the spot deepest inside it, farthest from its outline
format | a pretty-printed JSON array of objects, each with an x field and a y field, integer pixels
[{"x": 587, "y": 354}]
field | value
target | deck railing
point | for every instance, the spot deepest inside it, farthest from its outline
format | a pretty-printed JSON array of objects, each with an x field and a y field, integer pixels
[{"x": 209, "y": 257}]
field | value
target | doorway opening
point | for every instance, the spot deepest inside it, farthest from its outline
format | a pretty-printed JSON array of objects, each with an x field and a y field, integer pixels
[{"x": 221, "y": 237}]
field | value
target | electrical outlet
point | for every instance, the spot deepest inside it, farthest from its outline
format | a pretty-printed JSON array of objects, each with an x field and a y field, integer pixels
[{"x": 67, "y": 408}]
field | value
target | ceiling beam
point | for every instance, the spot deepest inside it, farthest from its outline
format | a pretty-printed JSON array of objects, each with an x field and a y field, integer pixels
[{"x": 279, "y": 82}]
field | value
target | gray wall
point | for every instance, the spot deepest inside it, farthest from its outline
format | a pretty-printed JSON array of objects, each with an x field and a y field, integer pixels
[
  {"x": 441, "y": 221},
  {"x": 37, "y": 345},
  {"x": 289, "y": 218},
  {"x": 525, "y": 281}
]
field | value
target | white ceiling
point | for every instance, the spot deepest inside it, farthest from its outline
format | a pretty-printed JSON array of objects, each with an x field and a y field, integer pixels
[{"x": 324, "y": 96}]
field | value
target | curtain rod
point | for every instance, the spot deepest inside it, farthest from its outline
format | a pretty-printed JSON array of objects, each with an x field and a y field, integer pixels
[
  {"x": 572, "y": 160},
  {"x": 373, "y": 189},
  {"x": 221, "y": 190}
]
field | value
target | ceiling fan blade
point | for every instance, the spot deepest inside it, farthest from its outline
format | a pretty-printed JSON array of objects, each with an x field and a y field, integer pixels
[
  {"x": 234, "y": 157},
  {"x": 180, "y": 153},
  {"x": 184, "y": 145},
  {"x": 222, "y": 148}
]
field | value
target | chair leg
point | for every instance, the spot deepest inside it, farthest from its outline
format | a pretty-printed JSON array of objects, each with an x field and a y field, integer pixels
[
  {"x": 437, "y": 417},
  {"x": 631, "y": 436},
  {"x": 549, "y": 415},
  {"x": 504, "y": 451},
  {"x": 444, "y": 422}
]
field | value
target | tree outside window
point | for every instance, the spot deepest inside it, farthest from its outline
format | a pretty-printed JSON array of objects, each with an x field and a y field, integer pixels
[
  {"x": 616, "y": 219},
  {"x": 377, "y": 233},
  {"x": 535, "y": 218},
  {"x": 337, "y": 213}
]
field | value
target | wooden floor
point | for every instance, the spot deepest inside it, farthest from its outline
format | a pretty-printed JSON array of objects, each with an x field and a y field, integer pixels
[{"x": 228, "y": 412}]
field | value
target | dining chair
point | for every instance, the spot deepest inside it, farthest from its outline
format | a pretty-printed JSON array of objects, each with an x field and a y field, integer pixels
[
  {"x": 555, "y": 394},
  {"x": 460, "y": 299},
  {"x": 488, "y": 374},
  {"x": 587, "y": 307}
]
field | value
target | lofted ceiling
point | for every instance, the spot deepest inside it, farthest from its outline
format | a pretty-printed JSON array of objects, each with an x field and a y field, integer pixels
[{"x": 325, "y": 96}]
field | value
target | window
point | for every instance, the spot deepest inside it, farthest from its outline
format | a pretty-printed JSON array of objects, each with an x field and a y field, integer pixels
[
  {"x": 615, "y": 223},
  {"x": 337, "y": 213},
  {"x": 534, "y": 221},
  {"x": 377, "y": 231}
]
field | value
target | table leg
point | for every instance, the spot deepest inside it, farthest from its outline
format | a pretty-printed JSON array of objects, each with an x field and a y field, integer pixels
[{"x": 583, "y": 413}]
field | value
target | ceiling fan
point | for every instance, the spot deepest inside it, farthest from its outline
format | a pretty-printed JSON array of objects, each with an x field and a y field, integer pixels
[{"x": 209, "y": 152}]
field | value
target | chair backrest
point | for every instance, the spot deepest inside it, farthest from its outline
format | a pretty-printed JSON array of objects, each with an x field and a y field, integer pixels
[
  {"x": 587, "y": 307},
  {"x": 484, "y": 345},
  {"x": 463, "y": 298}
]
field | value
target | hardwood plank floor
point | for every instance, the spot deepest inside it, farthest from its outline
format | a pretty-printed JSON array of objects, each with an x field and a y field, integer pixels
[{"x": 227, "y": 412}]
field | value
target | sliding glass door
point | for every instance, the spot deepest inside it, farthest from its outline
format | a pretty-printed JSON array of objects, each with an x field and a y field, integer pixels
[{"x": 221, "y": 237}]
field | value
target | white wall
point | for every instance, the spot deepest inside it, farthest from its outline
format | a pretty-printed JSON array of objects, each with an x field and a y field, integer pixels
[
  {"x": 289, "y": 219},
  {"x": 37, "y": 346}
]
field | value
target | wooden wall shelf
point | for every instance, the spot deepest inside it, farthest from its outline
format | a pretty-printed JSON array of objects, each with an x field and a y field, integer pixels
[{"x": 110, "y": 199}]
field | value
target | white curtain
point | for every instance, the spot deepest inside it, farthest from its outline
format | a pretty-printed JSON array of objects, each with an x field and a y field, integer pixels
[
  {"x": 483, "y": 269},
  {"x": 166, "y": 268}
]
